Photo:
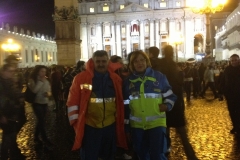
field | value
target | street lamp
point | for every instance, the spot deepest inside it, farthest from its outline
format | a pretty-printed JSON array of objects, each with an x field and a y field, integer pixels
[
  {"x": 207, "y": 7},
  {"x": 178, "y": 39},
  {"x": 10, "y": 46}
]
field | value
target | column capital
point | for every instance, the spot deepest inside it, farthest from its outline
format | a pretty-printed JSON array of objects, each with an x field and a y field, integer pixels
[
  {"x": 117, "y": 22},
  {"x": 66, "y": 13}
]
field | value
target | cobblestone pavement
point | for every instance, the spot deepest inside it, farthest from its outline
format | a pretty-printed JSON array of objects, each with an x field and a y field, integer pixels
[{"x": 208, "y": 125}]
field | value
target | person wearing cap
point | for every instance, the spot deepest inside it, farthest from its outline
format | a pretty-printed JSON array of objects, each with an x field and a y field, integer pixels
[
  {"x": 96, "y": 109},
  {"x": 18, "y": 80},
  {"x": 10, "y": 105}
]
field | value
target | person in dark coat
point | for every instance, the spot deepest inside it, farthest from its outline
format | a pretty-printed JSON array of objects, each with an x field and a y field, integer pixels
[
  {"x": 10, "y": 105},
  {"x": 230, "y": 87},
  {"x": 175, "y": 117},
  {"x": 56, "y": 77}
]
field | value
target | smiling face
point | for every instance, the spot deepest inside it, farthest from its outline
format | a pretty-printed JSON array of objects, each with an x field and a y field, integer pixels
[
  {"x": 140, "y": 64},
  {"x": 101, "y": 63},
  {"x": 234, "y": 60}
]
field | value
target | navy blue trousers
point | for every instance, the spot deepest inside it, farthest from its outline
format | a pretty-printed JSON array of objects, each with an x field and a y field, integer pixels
[
  {"x": 99, "y": 143},
  {"x": 150, "y": 144}
]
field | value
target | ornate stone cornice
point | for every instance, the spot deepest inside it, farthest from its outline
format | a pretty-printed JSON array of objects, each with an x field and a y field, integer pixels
[{"x": 66, "y": 13}]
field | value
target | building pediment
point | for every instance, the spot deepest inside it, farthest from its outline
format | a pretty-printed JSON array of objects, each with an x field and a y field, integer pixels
[{"x": 133, "y": 7}]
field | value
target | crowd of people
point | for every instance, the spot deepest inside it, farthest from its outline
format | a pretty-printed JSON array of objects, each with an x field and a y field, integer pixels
[{"x": 116, "y": 109}]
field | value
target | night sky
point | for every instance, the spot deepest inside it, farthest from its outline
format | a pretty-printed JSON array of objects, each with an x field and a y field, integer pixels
[
  {"x": 33, "y": 15},
  {"x": 36, "y": 15}
]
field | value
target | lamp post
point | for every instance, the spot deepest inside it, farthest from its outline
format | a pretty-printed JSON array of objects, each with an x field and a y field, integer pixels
[
  {"x": 178, "y": 39},
  {"x": 207, "y": 7},
  {"x": 10, "y": 46}
]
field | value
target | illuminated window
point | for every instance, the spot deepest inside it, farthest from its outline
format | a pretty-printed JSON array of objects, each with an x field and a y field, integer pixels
[
  {"x": 92, "y": 10},
  {"x": 163, "y": 4},
  {"x": 123, "y": 29},
  {"x": 145, "y": 5},
  {"x": 105, "y": 8},
  {"x": 121, "y": 6},
  {"x": 178, "y": 4},
  {"x": 146, "y": 28}
]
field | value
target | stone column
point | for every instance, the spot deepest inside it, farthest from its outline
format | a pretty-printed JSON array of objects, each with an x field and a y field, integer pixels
[
  {"x": 67, "y": 30},
  {"x": 128, "y": 38},
  {"x": 113, "y": 48},
  {"x": 142, "y": 35},
  {"x": 157, "y": 33},
  {"x": 84, "y": 44},
  {"x": 99, "y": 36},
  {"x": 118, "y": 39},
  {"x": 151, "y": 33}
]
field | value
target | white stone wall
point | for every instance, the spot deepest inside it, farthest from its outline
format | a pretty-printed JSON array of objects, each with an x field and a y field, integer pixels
[
  {"x": 34, "y": 49},
  {"x": 229, "y": 35},
  {"x": 151, "y": 21}
]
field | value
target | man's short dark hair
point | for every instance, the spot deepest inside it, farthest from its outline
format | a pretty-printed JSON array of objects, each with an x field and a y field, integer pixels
[
  {"x": 80, "y": 64},
  {"x": 168, "y": 51},
  {"x": 115, "y": 58},
  {"x": 100, "y": 53},
  {"x": 154, "y": 51},
  {"x": 234, "y": 55}
]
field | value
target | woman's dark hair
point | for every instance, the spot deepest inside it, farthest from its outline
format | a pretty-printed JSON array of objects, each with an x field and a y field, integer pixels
[{"x": 34, "y": 74}]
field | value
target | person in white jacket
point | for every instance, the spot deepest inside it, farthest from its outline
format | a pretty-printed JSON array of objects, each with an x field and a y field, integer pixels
[
  {"x": 41, "y": 87},
  {"x": 209, "y": 81}
]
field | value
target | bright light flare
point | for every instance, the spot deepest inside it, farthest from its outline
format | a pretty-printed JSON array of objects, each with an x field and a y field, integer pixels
[
  {"x": 10, "y": 46},
  {"x": 206, "y": 6}
]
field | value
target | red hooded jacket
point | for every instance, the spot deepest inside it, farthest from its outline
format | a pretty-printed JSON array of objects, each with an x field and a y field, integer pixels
[{"x": 78, "y": 102}]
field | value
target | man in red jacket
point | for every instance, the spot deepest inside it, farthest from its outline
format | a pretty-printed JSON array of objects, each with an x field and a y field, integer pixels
[{"x": 96, "y": 109}]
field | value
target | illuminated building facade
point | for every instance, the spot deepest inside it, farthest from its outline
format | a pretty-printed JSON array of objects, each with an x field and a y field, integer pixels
[
  {"x": 227, "y": 38},
  {"x": 120, "y": 27},
  {"x": 34, "y": 49}
]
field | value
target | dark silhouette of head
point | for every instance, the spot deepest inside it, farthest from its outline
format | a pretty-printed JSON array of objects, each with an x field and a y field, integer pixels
[
  {"x": 168, "y": 52},
  {"x": 154, "y": 51}
]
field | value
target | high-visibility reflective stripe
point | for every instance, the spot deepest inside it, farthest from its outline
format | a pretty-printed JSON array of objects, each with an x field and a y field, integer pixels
[
  {"x": 169, "y": 101},
  {"x": 152, "y": 118},
  {"x": 100, "y": 100},
  {"x": 72, "y": 117},
  {"x": 168, "y": 93},
  {"x": 126, "y": 121},
  {"x": 72, "y": 108},
  {"x": 146, "y": 95},
  {"x": 86, "y": 86},
  {"x": 126, "y": 101},
  {"x": 137, "y": 119},
  {"x": 149, "y": 118}
]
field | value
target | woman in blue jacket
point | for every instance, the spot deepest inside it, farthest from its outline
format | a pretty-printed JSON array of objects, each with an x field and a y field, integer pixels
[{"x": 148, "y": 96}]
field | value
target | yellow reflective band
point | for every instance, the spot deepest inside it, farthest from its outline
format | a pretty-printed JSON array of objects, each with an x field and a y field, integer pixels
[
  {"x": 86, "y": 86},
  {"x": 137, "y": 119},
  {"x": 146, "y": 95},
  {"x": 152, "y": 118},
  {"x": 100, "y": 100}
]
